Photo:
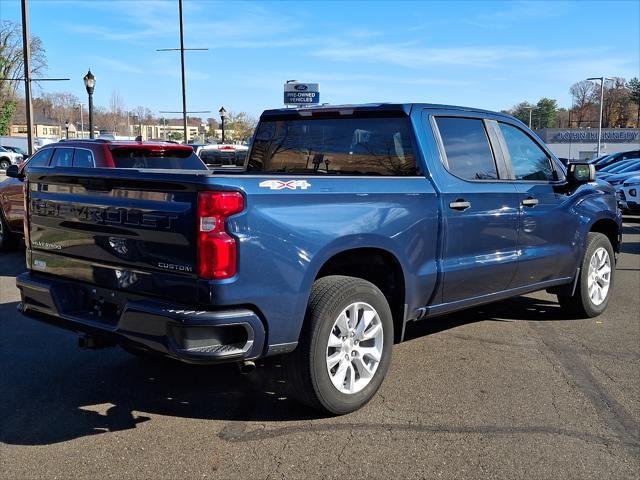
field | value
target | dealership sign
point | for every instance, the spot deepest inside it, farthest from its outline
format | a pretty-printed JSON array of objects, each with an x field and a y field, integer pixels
[
  {"x": 618, "y": 135},
  {"x": 301, "y": 93}
]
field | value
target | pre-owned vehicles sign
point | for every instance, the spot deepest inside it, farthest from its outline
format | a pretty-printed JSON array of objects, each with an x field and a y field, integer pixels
[{"x": 301, "y": 93}]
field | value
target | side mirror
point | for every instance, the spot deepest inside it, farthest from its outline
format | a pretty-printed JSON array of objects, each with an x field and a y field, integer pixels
[
  {"x": 579, "y": 173},
  {"x": 14, "y": 172}
]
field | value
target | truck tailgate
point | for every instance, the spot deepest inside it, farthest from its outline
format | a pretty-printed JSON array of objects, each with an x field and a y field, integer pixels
[{"x": 124, "y": 229}]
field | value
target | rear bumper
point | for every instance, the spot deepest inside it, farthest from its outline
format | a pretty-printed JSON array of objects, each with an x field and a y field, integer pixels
[{"x": 192, "y": 336}]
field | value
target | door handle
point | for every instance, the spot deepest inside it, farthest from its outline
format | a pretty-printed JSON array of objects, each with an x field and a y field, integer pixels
[
  {"x": 459, "y": 204},
  {"x": 530, "y": 202}
]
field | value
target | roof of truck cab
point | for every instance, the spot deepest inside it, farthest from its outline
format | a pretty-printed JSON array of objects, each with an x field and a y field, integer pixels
[
  {"x": 115, "y": 144},
  {"x": 371, "y": 108}
]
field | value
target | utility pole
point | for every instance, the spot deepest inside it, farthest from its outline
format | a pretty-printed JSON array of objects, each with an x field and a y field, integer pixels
[
  {"x": 184, "y": 82},
  {"x": 26, "y": 53},
  {"x": 26, "y": 60},
  {"x": 602, "y": 79}
]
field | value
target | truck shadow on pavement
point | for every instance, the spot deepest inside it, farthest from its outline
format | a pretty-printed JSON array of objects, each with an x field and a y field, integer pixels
[
  {"x": 54, "y": 392},
  {"x": 51, "y": 391}
]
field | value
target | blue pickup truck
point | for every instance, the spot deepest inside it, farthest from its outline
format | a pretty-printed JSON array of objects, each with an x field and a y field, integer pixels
[{"x": 344, "y": 224}]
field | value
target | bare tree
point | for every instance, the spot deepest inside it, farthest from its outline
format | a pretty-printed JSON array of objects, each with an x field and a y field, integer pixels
[
  {"x": 12, "y": 66},
  {"x": 116, "y": 115},
  {"x": 11, "y": 60},
  {"x": 616, "y": 103},
  {"x": 583, "y": 94}
]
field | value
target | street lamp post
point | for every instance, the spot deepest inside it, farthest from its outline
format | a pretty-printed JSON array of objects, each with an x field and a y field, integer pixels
[
  {"x": 223, "y": 116},
  {"x": 66, "y": 128},
  {"x": 90, "y": 83},
  {"x": 530, "y": 110},
  {"x": 602, "y": 79}
]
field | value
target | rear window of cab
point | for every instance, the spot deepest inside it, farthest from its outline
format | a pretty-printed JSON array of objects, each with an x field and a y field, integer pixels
[{"x": 334, "y": 146}]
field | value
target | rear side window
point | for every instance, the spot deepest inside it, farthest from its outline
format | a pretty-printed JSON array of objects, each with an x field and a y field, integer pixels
[
  {"x": 334, "y": 146},
  {"x": 467, "y": 148},
  {"x": 529, "y": 161},
  {"x": 83, "y": 158},
  {"x": 62, "y": 157},
  {"x": 168, "y": 159}
]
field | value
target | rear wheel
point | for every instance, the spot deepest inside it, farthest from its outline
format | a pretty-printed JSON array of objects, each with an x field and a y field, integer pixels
[
  {"x": 595, "y": 285},
  {"x": 345, "y": 347},
  {"x": 4, "y": 164}
]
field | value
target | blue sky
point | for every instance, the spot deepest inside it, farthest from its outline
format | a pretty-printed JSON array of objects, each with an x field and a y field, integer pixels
[{"x": 482, "y": 54}]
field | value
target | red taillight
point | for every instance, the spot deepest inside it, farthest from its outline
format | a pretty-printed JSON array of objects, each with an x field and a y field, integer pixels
[{"x": 217, "y": 251}]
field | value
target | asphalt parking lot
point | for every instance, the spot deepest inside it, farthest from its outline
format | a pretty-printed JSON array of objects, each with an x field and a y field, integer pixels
[{"x": 511, "y": 390}]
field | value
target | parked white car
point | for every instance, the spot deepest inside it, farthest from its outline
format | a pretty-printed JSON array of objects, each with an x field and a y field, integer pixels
[
  {"x": 627, "y": 193},
  {"x": 8, "y": 158}
]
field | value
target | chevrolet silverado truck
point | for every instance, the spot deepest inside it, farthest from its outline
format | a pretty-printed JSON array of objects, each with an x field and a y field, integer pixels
[{"x": 344, "y": 224}]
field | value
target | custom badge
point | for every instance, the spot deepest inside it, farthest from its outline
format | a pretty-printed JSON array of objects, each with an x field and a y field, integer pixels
[{"x": 280, "y": 185}]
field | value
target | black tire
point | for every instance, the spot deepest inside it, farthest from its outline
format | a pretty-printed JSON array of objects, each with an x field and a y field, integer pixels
[
  {"x": 306, "y": 370},
  {"x": 4, "y": 164},
  {"x": 580, "y": 305},
  {"x": 8, "y": 240}
]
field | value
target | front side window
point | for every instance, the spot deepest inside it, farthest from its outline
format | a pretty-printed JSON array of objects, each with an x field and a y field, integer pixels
[
  {"x": 40, "y": 158},
  {"x": 529, "y": 161},
  {"x": 467, "y": 148},
  {"x": 334, "y": 146}
]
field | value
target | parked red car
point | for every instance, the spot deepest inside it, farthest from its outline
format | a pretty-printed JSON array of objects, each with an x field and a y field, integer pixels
[{"x": 86, "y": 154}]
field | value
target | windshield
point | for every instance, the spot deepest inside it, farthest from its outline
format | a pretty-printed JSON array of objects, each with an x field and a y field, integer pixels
[
  {"x": 632, "y": 167},
  {"x": 604, "y": 160},
  {"x": 146, "y": 158},
  {"x": 614, "y": 167},
  {"x": 617, "y": 167},
  {"x": 334, "y": 146}
]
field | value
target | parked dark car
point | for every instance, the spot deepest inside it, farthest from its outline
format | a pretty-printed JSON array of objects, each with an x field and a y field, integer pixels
[
  {"x": 88, "y": 154},
  {"x": 616, "y": 157}
]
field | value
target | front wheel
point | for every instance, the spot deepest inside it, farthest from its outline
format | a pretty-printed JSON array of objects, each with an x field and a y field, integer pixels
[
  {"x": 7, "y": 237},
  {"x": 595, "y": 285},
  {"x": 345, "y": 346},
  {"x": 4, "y": 164}
]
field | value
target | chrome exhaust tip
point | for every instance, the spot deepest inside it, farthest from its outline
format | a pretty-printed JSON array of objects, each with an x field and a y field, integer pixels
[{"x": 247, "y": 367}]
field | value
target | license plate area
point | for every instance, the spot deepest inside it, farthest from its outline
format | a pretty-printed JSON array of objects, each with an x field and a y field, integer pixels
[{"x": 97, "y": 305}]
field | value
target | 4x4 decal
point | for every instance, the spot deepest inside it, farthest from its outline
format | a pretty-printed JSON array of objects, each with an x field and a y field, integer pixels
[{"x": 280, "y": 185}]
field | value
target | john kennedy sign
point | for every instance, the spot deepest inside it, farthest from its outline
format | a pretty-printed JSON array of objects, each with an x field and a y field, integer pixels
[
  {"x": 301, "y": 93},
  {"x": 618, "y": 135}
]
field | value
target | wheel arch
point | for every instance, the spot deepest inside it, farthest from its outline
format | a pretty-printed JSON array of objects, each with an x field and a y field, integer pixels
[
  {"x": 378, "y": 266},
  {"x": 610, "y": 228}
]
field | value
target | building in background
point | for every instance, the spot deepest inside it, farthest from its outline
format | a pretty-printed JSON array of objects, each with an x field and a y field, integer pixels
[
  {"x": 582, "y": 143},
  {"x": 43, "y": 127}
]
